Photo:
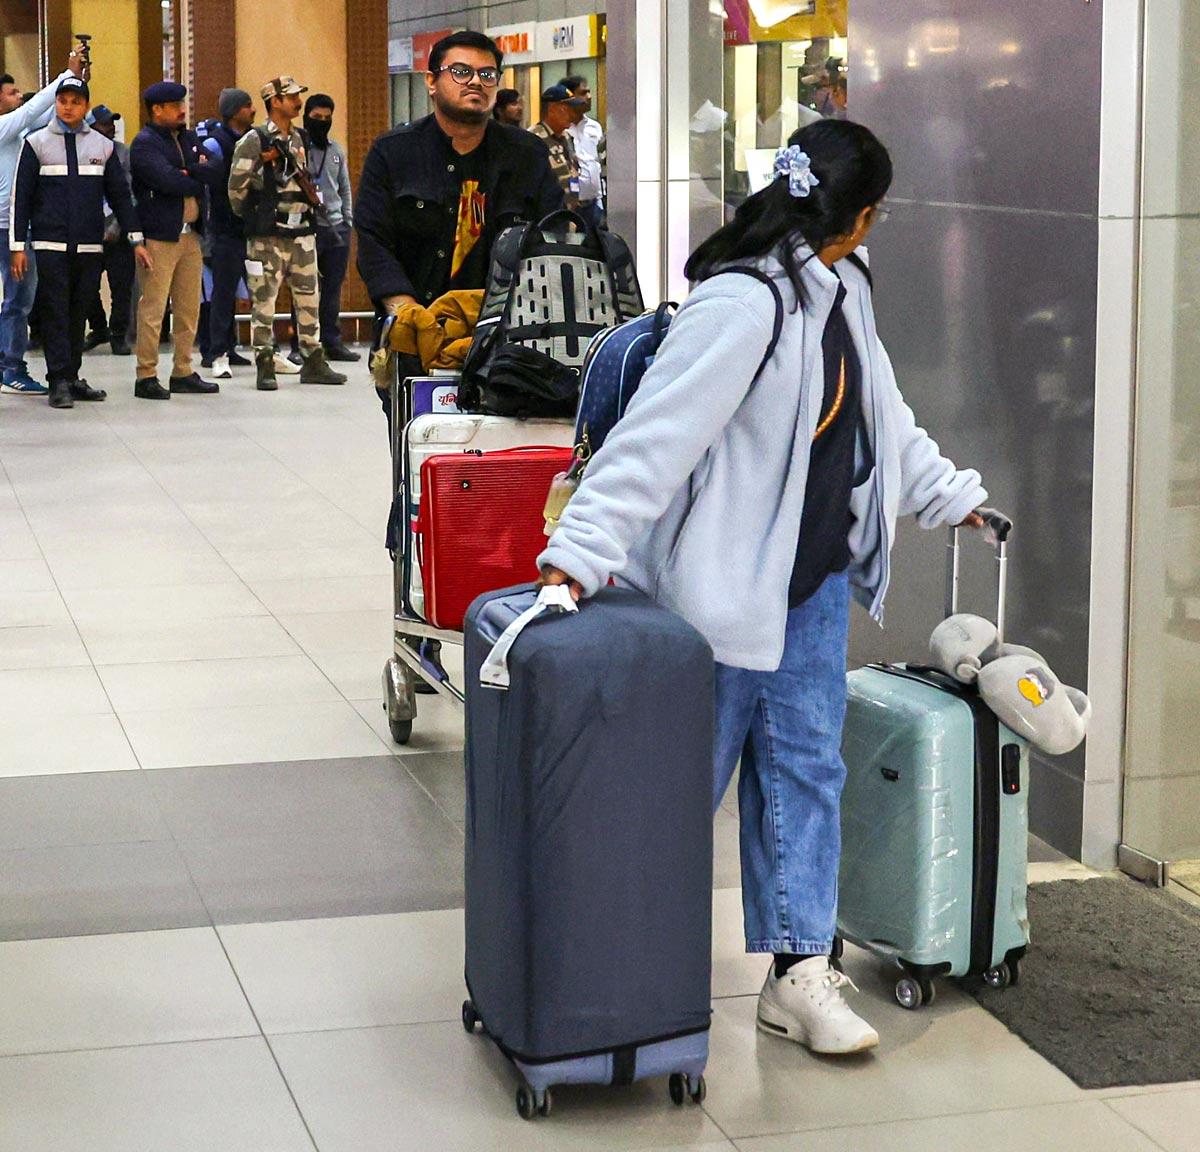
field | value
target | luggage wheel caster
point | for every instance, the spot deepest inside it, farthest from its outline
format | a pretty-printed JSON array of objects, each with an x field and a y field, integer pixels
[
  {"x": 398, "y": 701},
  {"x": 470, "y": 1017},
  {"x": 684, "y": 1086},
  {"x": 836, "y": 953},
  {"x": 1003, "y": 975},
  {"x": 913, "y": 992},
  {"x": 528, "y": 1105}
]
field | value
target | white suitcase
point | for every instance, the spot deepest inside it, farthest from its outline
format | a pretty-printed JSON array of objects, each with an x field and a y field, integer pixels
[{"x": 445, "y": 434}]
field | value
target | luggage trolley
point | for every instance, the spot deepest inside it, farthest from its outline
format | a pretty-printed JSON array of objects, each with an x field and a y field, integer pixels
[
  {"x": 408, "y": 664},
  {"x": 421, "y": 405}
]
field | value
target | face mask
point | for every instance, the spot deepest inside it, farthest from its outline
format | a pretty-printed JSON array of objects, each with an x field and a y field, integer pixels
[{"x": 318, "y": 130}]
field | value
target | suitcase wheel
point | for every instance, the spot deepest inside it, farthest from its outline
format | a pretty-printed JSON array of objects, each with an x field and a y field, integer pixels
[
  {"x": 684, "y": 1086},
  {"x": 470, "y": 1016},
  {"x": 913, "y": 992},
  {"x": 528, "y": 1105},
  {"x": 1005, "y": 974}
]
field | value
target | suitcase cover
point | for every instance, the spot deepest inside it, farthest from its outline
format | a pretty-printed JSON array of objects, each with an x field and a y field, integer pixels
[
  {"x": 440, "y": 433},
  {"x": 481, "y": 524},
  {"x": 589, "y": 833},
  {"x": 934, "y": 823}
]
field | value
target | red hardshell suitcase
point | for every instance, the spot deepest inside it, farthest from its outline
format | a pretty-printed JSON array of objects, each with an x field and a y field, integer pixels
[{"x": 480, "y": 524}]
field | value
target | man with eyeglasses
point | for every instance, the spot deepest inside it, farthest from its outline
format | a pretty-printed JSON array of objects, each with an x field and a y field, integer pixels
[{"x": 434, "y": 194}]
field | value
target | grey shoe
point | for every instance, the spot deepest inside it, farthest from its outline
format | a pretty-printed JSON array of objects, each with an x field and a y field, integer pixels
[
  {"x": 316, "y": 370},
  {"x": 265, "y": 363}
]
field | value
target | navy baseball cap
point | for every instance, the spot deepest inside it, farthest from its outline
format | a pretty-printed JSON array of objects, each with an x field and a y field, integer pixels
[
  {"x": 74, "y": 84},
  {"x": 561, "y": 94},
  {"x": 103, "y": 114},
  {"x": 164, "y": 92}
]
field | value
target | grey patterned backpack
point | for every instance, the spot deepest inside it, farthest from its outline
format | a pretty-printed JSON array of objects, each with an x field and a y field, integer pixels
[{"x": 551, "y": 288}]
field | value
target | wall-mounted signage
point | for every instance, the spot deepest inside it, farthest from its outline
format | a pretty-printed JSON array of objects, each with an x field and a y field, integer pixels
[
  {"x": 423, "y": 43},
  {"x": 518, "y": 42},
  {"x": 400, "y": 54},
  {"x": 573, "y": 39}
]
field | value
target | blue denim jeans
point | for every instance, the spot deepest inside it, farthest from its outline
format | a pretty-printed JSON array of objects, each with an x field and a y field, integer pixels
[
  {"x": 14, "y": 312},
  {"x": 786, "y": 726}
]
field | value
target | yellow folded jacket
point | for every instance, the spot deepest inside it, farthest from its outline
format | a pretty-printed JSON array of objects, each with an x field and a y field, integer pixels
[{"x": 440, "y": 335}]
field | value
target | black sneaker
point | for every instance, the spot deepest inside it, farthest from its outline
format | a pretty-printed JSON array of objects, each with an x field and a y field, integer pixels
[
  {"x": 82, "y": 390},
  {"x": 95, "y": 338},
  {"x": 148, "y": 388},
  {"x": 120, "y": 347},
  {"x": 193, "y": 384},
  {"x": 238, "y": 360},
  {"x": 60, "y": 395},
  {"x": 340, "y": 352}
]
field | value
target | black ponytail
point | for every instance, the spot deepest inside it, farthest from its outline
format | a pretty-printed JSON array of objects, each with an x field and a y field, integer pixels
[{"x": 855, "y": 172}]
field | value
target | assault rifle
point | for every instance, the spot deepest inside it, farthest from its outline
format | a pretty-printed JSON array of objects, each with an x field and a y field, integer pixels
[{"x": 302, "y": 176}]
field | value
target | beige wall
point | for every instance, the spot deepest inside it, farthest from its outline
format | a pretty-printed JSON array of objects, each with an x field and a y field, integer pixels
[
  {"x": 301, "y": 38},
  {"x": 114, "y": 26},
  {"x": 21, "y": 58}
]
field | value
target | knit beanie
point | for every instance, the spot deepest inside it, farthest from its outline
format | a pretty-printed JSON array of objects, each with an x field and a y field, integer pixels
[{"x": 231, "y": 100}]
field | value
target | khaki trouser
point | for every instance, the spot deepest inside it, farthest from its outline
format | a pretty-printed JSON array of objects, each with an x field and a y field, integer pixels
[
  {"x": 178, "y": 268},
  {"x": 269, "y": 261}
]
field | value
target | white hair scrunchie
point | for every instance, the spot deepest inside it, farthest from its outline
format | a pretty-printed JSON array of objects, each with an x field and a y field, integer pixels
[{"x": 794, "y": 163}]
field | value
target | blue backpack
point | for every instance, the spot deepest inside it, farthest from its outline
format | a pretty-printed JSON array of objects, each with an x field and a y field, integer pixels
[
  {"x": 612, "y": 372},
  {"x": 617, "y": 360}
]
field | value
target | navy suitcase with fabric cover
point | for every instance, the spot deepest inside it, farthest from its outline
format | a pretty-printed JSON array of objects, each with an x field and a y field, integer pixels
[{"x": 589, "y": 843}]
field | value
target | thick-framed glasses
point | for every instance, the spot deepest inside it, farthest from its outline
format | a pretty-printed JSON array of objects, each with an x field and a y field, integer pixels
[{"x": 464, "y": 73}]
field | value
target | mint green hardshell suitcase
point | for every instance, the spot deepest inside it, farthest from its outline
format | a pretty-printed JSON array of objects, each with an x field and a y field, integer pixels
[{"x": 934, "y": 827}]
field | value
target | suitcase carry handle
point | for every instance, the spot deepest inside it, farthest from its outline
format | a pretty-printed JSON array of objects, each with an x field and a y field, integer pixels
[
  {"x": 998, "y": 528},
  {"x": 550, "y": 598}
]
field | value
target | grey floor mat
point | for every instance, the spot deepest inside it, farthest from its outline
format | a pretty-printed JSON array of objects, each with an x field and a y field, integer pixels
[{"x": 1110, "y": 990}]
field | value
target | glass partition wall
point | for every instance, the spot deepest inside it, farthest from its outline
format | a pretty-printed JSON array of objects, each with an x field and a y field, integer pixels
[{"x": 1162, "y": 774}]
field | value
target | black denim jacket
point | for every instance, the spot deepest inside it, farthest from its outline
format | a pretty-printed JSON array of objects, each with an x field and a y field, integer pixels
[{"x": 406, "y": 206}]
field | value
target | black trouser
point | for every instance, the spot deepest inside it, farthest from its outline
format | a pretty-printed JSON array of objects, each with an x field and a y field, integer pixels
[
  {"x": 119, "y": 267},
  {"x": 228, "y": 264},
  {"x": 333, "y": 258},
  {"x": 68, "y": 285}
]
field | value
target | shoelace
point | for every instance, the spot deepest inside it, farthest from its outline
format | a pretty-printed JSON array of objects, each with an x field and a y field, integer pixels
[{"x": 833, "y": 982}]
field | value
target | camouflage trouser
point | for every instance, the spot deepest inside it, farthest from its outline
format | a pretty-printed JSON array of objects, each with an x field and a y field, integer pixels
[{"x": 293, "y": 258}]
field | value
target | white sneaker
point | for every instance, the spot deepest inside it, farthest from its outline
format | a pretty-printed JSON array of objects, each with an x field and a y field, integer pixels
[
  {"x": 284, "y": 367},
  {"x": 221, "y": 369},
  {"x": 806, "y": 1005}
]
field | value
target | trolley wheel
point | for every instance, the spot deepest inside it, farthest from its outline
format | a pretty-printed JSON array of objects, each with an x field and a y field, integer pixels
[
  {"x": 678, "y": 1087},
  {"x": 527, "y": 1107},
  {"x": 836, "y": 953},
  {"x": 998, "y": 977},
  {"x": 700, "y": 1091},
  {"x": 547, "y": 1105},
  {"x": 401, "y": 730},
  {"x": 913, "y": 992},
  {"x": 470, "y": 1016}
]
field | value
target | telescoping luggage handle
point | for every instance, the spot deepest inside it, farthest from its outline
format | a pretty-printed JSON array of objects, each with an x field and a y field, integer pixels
[
  {"x": 551, "y": 598},
  {"x": 998, "y": 527}
]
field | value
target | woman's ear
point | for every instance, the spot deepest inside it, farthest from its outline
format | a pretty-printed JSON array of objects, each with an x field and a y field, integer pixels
[{"x": 862, "y": 224}]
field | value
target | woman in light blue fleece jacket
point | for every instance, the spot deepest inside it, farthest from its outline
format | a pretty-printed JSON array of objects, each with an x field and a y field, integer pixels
[{"x": 751, "y": 493}]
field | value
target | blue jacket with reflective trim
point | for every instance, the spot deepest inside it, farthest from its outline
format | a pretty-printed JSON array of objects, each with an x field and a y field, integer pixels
[{"x": 63, "y": 179}]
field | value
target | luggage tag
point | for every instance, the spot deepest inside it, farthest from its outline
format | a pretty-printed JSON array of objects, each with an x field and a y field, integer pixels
[
  {"x": 381, "y": 356},
  {"x": 551, "y": 598},
  {"x": 295, "y": 218},
  {"x": 563, "y": 487}
]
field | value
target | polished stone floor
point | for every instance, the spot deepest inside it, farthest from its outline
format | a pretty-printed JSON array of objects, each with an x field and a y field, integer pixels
[{"x": 230, "y": 908}]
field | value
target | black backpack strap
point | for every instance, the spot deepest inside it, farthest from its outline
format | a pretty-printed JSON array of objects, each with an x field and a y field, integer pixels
[
  {"x": 769, "y": 281},
  {"x": 619, "y": 261}
]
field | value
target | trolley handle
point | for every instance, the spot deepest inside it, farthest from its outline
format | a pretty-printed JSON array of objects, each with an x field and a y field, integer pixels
[{"x": 998, "y": 529}]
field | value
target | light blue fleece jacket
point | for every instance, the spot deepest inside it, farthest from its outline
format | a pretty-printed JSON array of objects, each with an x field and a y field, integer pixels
[
  {"x": 33, "y": 114},
  {"x": 696, "y": 496}
]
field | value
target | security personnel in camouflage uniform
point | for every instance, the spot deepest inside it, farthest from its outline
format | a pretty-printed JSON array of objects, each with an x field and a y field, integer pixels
[
  {"x": 557, "y": 117},
  {"x": 280, "y": 224}
]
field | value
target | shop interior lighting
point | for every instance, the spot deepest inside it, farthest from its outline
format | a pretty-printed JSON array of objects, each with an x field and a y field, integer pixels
[{"x": 768, "y": 13}]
